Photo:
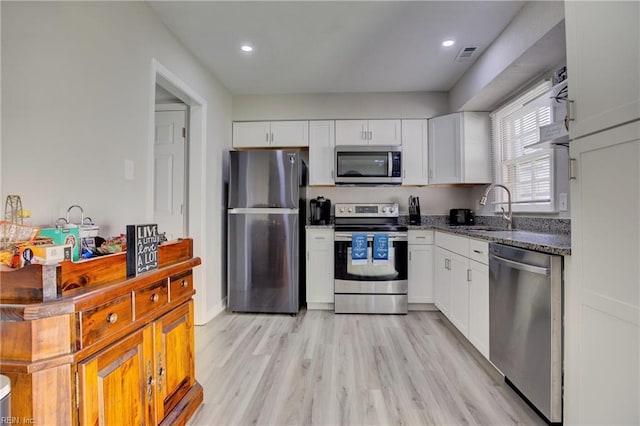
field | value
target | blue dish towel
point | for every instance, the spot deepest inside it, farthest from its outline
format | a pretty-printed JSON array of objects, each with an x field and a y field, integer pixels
[
  {"x": 358, "y": 248},
  {"x": 380, "y": 247}
]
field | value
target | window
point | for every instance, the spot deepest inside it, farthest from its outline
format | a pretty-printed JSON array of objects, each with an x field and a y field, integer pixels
[{"x": 526, "y": 169}]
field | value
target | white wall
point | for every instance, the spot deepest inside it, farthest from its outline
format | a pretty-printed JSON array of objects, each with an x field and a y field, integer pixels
[
  {"x": 77, "y": 90},
  {"x": 328, "y": 106}
]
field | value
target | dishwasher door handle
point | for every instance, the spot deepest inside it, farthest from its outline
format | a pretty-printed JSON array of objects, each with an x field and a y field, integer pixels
[{"x": 521, "y": 266}]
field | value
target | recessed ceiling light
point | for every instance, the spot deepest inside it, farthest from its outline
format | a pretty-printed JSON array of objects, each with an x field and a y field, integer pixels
[
  {"x": 246, "y": 48},
  {"x": 448, "y": 43}
]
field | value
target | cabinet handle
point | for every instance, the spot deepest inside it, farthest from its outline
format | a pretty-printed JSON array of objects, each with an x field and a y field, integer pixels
[
  {"x": 404, "y": 173},
  {"x": 331, "y": 174},
  {"x": 477, "y": 251},
  {"x": 266, "y": 137},
  {"x": 160, "y": 372},
  {"x": 570, "y": 116},
  {"x": 409, "y": 256},
  {"x": 149, "y": 382},
  {"x": 307, "y": 255},
  {"x": 112, "y": 318},
  {"x": 184, "y": 283},
  {"x": 469, "y": 275},
  {"x": 271, "y": 137},
  {"x": 370, "y": 134},
  {"x": 363, "y": 135},
  {"x": 447, "y": 264},
  {"x": 572, "y": 174},
  {"x": 421, "y": 238},
  {"x": 430, "y": 174},
  {"x": 319, "y": 238},
  {"x": 154, "y": 297}
]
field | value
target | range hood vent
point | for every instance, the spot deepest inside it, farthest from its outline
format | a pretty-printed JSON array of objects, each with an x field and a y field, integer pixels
[{"x": 466, "y": 53}]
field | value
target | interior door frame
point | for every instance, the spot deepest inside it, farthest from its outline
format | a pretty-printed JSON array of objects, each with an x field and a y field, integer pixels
[{"x": 196, "y": 195}]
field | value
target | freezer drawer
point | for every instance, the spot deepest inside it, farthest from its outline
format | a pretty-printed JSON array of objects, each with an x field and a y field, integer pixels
[{"x": 262, "y": 260}]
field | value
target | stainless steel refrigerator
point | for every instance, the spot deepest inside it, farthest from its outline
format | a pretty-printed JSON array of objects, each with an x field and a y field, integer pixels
[{"x": 266, "y": 196}]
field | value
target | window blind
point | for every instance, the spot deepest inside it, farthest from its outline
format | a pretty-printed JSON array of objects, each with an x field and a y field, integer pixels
[{"x": 525, "y": 169}]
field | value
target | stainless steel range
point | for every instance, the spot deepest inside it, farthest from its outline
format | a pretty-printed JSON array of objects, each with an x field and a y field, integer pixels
[{"x": 370, "y": 259}]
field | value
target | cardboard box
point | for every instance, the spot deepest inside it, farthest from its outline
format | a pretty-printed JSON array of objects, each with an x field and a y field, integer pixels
[
  {"x": 64, "y": 237},
  {"x": 49, "y": 254}
]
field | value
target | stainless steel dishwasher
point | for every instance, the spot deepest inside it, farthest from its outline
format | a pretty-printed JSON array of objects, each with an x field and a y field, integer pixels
[{"x": 525, "y": 323}]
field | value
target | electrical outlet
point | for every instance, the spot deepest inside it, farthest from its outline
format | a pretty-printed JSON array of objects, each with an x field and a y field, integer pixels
[
  {"x": 128, "y": 170},
  {"x": 563, "y": 202}
]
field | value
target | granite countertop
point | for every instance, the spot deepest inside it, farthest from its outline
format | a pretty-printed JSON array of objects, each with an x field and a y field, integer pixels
[
  {"x": 551, "y": 243},
  {"x": 558, "y": 244}
]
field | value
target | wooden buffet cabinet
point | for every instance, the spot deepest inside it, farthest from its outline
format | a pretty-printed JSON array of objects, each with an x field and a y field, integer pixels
[{"x": 85, "y": 345}]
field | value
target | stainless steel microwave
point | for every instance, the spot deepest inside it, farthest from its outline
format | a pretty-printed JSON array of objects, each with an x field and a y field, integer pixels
[{"x": 368, "y": 164}]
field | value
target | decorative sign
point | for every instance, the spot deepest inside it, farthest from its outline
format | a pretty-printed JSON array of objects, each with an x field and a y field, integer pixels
[{"x": 142, "y": 248}]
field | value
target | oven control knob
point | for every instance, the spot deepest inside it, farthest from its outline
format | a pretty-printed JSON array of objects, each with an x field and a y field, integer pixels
[
  {"x": 391, "y": 209},
  {"x": 350, "y": 210},
  {"x": 385, "y": 210},
  {"x": 341, "y": 210}
]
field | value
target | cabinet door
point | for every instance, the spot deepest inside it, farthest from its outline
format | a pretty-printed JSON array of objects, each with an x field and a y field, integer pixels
[
  {"x": 319, "y": 274},
  {"x": 174, "y": 357},
  {"x": 116, "y": 384},
  {"x": 351, "y": 132},
  {"x": 479, "y": 307},
  {"x": 441, "y": 280},
  {"x": 420, "y": 274},
  {"x": 415, "y": 152},
  {"x": 253, "y": 134},
  {"x": 384, "y": 132},
  {"x": 444, "y": 149},
  {"x": 321, "y": 152},
  {"x": 603, "y": 63},
  {"x": 289, "y": 134},
  {"x": 459, "y": 293}
]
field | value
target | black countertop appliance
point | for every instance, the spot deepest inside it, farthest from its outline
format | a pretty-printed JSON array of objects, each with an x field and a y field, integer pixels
[
  {"x": 461, "y": 217},
  {"x": 320, "y": 211}
]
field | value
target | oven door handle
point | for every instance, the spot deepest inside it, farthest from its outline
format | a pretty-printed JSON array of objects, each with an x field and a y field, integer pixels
[{"x": 393, "y": 236}]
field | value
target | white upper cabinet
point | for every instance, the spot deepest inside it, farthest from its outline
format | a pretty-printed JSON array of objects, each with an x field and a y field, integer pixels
[
  {"x": 270, "y": 134},
  {"x": 321, "y": 152},
  {"x": 603, "y": 64},
  {"x": 368, "y": 132},
  {"x": 459, "y": 148},
  {"x": 415, "y": 158}
]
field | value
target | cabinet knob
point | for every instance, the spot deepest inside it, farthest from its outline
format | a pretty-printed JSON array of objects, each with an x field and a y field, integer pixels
[
  {"x": 112, "y": 318},
  {"x": 154, "y": 297},
  {"x": 184, "y": 283}
]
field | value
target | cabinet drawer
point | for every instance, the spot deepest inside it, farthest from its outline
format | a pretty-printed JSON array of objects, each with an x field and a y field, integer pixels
[
  {"x": 105, "y": 319},
  {"x": 180, "y": 285},
  {"x": 420, "y": 237},
  {"x": 319, "y": 238},
  {"x": 453, "y": 243},
  {"x": 151, "y": 297},
  {"x": 479, "y": 251}
]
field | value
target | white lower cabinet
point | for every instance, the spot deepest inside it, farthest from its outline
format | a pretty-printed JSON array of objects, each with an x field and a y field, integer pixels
[
  {"x": 420, "y": 269},
  {"x": 462, "y": 286},
  {"x": 319, "y": 268}
]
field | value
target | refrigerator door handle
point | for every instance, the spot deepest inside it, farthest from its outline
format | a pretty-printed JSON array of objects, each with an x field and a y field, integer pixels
[{"x": 263, "y": 210}]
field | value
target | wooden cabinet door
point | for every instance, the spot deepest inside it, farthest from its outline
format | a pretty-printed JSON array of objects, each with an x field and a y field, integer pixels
[
  {"x": 441, "y": 280},
  {"x": 322, "y": 144},
  {"x": 251, "y": 134},
  {"x": 351, "y": 132},
  {"x": 384, "y": 132},
  {"x": 289, "y": 134},
  {"x": 479, "y": 307},
  {"x": 420, "y": 274},
  {"x": 459, "y": 293},
  {"x": 415, "y": 152},
  {"x": 603, "y": 63},
  {"x": 319, "y": 268},
  {"x": 174, "y": 357},
  {"x": 444, "y": 149},
  {"x": 116, "y": 384}
]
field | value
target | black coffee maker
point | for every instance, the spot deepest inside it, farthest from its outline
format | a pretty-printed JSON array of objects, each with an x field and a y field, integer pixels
[{"x": 320, "y": 211}]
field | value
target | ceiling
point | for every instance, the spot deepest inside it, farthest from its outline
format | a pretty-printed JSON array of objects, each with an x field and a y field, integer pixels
[{"x": 335, "y": 46}]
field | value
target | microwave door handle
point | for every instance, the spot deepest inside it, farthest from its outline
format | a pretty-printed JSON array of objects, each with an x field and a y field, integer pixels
[{"x": 389, "y": 164}]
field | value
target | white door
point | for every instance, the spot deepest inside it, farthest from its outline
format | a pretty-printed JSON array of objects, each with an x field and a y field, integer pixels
[
  {"x": 289, "y": 133},
  {"x": 420, "y": 274},
  {"x": 442, "y": 280},
  {"x": 252, "y": 134},
  {"x": 459, "y": 293},
  {"x": 169, "y": 173},
  {"x": 351, "y": 132},
  {"x": 479, "y": 307},
  {"x": 319, "y": 268},
  {"x": 321, "y": 152},
  {"x": 415, "y": 152},
  {"x": 444, "y": 149}
]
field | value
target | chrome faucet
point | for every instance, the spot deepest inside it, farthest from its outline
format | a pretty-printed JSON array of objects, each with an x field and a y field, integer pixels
[
  {"x": 506, "y": 216},
  {"x": 75, "y": 206}
]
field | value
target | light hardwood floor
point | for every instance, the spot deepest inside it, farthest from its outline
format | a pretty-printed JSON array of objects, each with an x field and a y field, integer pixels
[{"x": 320, "y": 368}]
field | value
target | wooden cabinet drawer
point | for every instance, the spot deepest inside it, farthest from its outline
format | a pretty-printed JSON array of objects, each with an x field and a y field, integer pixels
[
  {"x": 110, "y": 317},
  {"x": 453, "y": 243},
  {"x": 479, "y": 251},
  {"x": 151, "y": 297},
  {"x": 415, "y": 237},
  {"x": 180, "y": 285}
]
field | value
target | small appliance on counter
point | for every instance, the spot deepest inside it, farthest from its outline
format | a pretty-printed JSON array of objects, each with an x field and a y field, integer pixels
[
  {"x": 461, "y": 217},
  {"x": 320, "y": 211},
  {"x": 414, "y": 210}
]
